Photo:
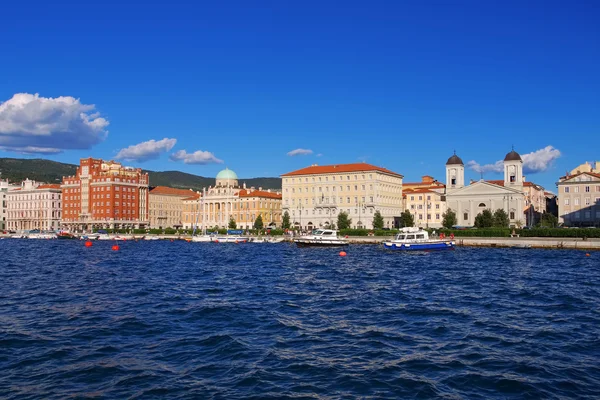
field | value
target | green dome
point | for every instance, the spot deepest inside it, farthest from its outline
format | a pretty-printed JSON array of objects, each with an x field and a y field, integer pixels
[{"x": 227, "y": 174}]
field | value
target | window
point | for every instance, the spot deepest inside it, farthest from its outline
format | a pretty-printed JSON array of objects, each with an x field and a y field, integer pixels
[
  {"x": 437, "y": 216},
  {"x": 566, "y": 202},
  {"x": 587, "y": 189},
  {"x": 466, "y": 216},
  {"x": 513, "y": 179},
  {"x": 453, "y": 181},
  {"x": 587, "y": 201},
  {"x": 428, "y": 216},
  {"x": 567, "y": 189},
  {"x": 412, "y": 198},
  {"x": 576, "y": 189},
  {"x": 576, "y": 201},
  {"x": 420, "y": 197},
  {"x": 512, "y": 215},
  {"x": 577, "y": 215}
]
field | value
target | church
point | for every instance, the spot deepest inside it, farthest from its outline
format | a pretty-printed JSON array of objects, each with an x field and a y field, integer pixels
[{"x": 467, "y": 201}]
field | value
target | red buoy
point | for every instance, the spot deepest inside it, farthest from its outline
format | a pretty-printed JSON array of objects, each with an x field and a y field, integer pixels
[
  {"x": 88, "y": 243},
  {"x": 342, "y": 253},
  {"x": 115, "y": 247}
]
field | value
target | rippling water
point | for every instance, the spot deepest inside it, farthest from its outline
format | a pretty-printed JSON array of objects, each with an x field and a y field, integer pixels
[{"x": 227, "y": 321}]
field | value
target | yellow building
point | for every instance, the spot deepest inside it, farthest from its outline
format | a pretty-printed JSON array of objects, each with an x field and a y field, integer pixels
[
  {"x": 314, "y": 196},
  {"x": 427, "y": 207},
  {"x": 166, "y": 206},
  {"x": 227, "y": 200},
  {"x": 579, "y": 196}
]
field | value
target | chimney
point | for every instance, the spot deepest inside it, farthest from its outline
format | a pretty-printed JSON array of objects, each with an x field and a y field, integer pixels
[{"x": 260, "y": 188}]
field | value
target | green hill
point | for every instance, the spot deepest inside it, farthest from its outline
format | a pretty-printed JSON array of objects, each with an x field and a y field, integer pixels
[{"x": 17, "y": 170}]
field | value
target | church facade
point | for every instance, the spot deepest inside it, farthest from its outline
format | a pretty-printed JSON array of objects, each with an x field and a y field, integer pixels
[{"x": 467, "y": 201}]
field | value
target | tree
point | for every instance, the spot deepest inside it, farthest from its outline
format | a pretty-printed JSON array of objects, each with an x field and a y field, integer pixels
[
  {"x": 449, "y": 219},
  {"x": 343, "y": 220},
  {"x": 258, "y": 223},
  {"x": 548, "y": 220},
  {"x": 501, "y": 218},
  {"x": 285, "y": 222},
  {"x": 406, "y": 219},
  {"x": 232, "y": 223},
  {"x": 377, "y": 220},
  {"x": 484, "y": 219}
]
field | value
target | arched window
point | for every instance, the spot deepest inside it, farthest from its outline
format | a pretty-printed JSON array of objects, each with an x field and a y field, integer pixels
[{"x": 481, "y": 204}]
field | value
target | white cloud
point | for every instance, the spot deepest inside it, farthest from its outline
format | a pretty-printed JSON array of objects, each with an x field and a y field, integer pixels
[
  {"x": 534, "y": 162},
  {"x": 33, "y": 124},
  {"x": 145, "y": 151},
  {"x": 299, "y": 152},
  {"x": 498, "y": 166},
  {"x": 539, "y": 160},
  {"x": 197, "y": 157}
]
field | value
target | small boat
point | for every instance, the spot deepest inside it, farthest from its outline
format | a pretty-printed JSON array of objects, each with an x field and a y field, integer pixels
[
  {"x": 203, "y": 238},
  {"x": 42, "y": 235},
  {"x": 321, "y": 237},
  {"x": 65, "y": 235},
  {"x": 233, "y": 236},
  {"x": 267, "y": 239},
  {"x": 417, "y": 239},
  {"x": 151, "y": 238}
]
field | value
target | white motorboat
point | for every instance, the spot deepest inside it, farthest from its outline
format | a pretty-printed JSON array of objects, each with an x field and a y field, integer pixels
[
  {"x": 151, "y": 238},
  {"x": 42, "y": 235},
  {"x": 266, "y": 239},
  {"x": 321, "y": 237},
  {"x": 123, "y": 237},
  {"x": 203, "y": 238},
  {"x": 417, "y": 239},
  {"x": 230, "y": 239}
]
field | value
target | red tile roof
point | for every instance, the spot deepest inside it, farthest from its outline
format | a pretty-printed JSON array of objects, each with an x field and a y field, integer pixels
[
  {"x": 172, "y": 191},
  {"x": 581, "y": 173},
  {"x": 500, "y": 182},
  {"x": 339, "y": 169},
  {"x": 49, "y": 186},
  {"x": 259, "y": 193}
]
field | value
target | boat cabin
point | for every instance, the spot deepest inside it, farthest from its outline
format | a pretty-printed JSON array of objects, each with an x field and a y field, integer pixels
[
  {"x": 411, "y": 235},
  {"x": 325, "y": 233}
]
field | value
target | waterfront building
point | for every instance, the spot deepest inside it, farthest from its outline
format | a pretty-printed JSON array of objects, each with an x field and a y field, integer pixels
[
  {"x": 228, "y": 200},
  {"x": 314, "y": 196},
  {"x": 166, "y": 206},
  {"x": 427, "y": 206},
  {"x": 105, "y": 194},
  {"x": 579, "y": 196},
  {"x": 34, "y": 206},
  {"x": 427, "y": 182},
  {"x": 467, "y": 201},
  {"x": 535, "y": 201},
  {"x": 5, "y": 186}
]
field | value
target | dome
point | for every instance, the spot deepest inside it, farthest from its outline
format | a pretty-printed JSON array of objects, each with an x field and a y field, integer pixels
[
  {"x": 227, "y": 174},
  {"x": 454, "y": 160},
  {"x": 513, "y": 156}
]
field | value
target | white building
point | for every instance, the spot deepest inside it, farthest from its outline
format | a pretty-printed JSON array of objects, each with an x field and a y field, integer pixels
[
  {"x": 34, "y": 206},
  {"x": 469, "y": 201},
  {"x": 4, "y": 188}
]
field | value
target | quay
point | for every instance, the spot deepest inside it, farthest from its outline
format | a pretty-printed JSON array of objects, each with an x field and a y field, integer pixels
[{"x": 510, "y": 242}]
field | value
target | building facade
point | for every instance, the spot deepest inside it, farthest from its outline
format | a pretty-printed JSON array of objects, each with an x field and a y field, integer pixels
[
  {"x": 427, "y": 206},
  {"x": 34, "y": 206},
  {"x": 227, "y": 200},
  {"x": 470, "y": 200},
  {"x": 5, "y": 186},
  {"x": 579, "y": 196},
  {"x": 105, "y": 194},
  {"x": 166, "y": 207},
  {"x": 314, "y": 196}
]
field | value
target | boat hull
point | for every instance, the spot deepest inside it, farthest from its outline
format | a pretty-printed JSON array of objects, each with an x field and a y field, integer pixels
[
  {"x": 427, "y": 246},
  {"x": 230, "y": 239},
  {"x": 319, "y": 243}
]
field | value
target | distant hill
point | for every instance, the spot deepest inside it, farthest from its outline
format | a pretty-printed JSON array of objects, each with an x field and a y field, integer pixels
[{"x": 18, "y": 169}]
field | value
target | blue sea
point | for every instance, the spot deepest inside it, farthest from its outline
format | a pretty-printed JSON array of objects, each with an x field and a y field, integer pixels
[{"x": 179, "y": 320}]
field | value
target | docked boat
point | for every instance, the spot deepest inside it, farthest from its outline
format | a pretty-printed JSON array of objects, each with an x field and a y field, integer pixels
[
  {"x": 417, "y": 239},
  {"x": 321, "y": 237},
  {"x": 233, "y": 236},
  {"x": 65, "y": 235},
  {"x": 203, "y": 238},
  {"x": 41, "y": 235},
  {"x": 151, "y": 238},
  {"x": 265, "y": 239}
]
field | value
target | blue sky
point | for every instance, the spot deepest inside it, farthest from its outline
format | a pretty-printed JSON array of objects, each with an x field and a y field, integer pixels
[{"x": 242, "y": 84}]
